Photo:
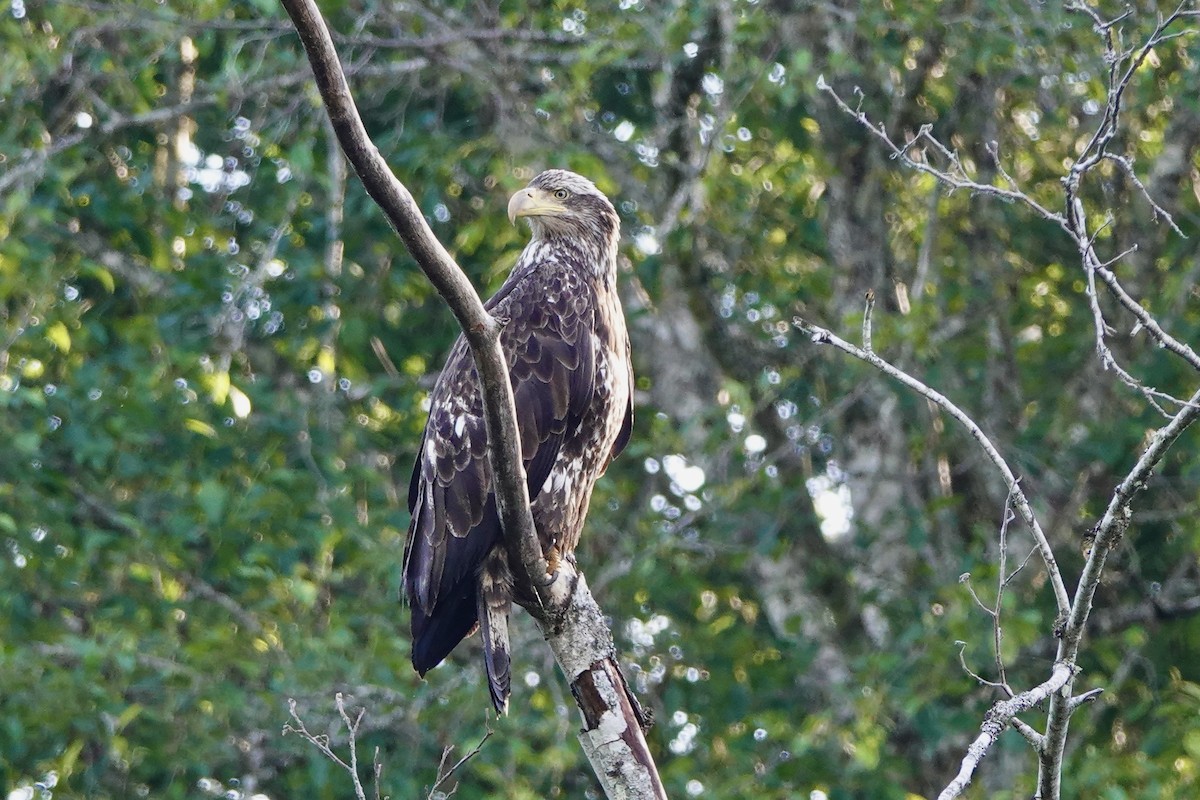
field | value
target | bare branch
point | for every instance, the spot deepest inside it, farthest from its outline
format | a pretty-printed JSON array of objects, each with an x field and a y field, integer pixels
[
  {"x": 444, "y": 773},
  {"x": 1122, "y": 67},
  {"x": 321, "y": 741},
  {"x": 1126, "y": 165},
  {"x": 1032, "y": 552},
  {"x": 955, "y": 177},
  {"x": 1035, "y": 739},
  {"x": 1094, "y": 267},
  {"x": 823, "y": 336},
  {"x": 1118, "y": 82},
  {"x": 1001, "y": 582},
  {"x": 962, "y": 659},
  {"x": 994, "y": 613},
  {"x": 924, "y": 153},
  {"x": 1087, "y": 697},
  {"x": 1145, "y": 318},
  {"x": 998, "y": 718},
  {"x": 866, "y": 325},
  {"x": 965, "y": 579},
  {"x": 1107, "y": 533}
]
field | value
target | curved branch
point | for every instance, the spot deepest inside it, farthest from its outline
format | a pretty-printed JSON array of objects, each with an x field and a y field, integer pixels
[
  {"x": 575, "y": 627},
  {"x": 1019, "y": 501}
]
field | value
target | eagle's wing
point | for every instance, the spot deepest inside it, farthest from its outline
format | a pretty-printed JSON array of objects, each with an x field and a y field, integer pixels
[
  {"x": 548, "y": 341},
  {"x": 626, "y": 431}
]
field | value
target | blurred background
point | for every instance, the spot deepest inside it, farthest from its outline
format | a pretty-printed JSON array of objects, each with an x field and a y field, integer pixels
[{"x": 214, "y": 355}]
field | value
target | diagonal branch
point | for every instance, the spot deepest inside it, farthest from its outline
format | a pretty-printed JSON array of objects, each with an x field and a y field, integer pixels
[
  {"x": 1107, "y": 534},
  {"x": 1019, "y": 501}
]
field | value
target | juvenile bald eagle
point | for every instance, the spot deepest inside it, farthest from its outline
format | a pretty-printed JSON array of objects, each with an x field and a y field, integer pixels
[{"x": 567, "y": 348}]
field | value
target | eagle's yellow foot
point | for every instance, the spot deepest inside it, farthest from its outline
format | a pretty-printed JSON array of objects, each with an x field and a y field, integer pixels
[{"x": 553, "y": 563}]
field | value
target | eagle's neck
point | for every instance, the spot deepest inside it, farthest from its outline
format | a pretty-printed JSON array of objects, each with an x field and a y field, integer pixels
[{"x": 593, "y": 252}]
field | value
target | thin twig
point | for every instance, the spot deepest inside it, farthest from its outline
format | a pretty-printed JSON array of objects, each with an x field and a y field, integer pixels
[
  {"x": 965, "y": 579},
  {"x": 1126, "y": 165},
  {"x": 962, "y": 659},
  {"x": 444, "y": 774},
  {"x": 1002, "y": 581},
  {"x": 1032, "y": 552},
  {"x": 866, "y": 325},
  {"x": 321, "y": 741}
]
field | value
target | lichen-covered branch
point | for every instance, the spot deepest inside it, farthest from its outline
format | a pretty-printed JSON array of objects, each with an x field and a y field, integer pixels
[{"x": 996, "y": 721}]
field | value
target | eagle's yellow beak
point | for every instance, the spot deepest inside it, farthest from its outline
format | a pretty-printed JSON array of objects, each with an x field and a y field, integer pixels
[{"x": 530, "y": 202}]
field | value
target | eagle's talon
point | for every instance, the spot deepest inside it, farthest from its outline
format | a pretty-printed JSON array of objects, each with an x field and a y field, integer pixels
[{"x": 553, "y": 564}]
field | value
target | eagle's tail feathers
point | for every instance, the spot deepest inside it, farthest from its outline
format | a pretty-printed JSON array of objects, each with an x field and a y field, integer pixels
[{"x": 495, "y": 603}]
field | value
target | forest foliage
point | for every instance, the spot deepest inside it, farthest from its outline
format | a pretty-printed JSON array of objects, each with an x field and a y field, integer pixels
[{"x": 214, "y": 354}]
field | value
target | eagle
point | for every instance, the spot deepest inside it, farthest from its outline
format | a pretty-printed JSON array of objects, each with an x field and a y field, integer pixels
[{"x": 565, "y": 341}]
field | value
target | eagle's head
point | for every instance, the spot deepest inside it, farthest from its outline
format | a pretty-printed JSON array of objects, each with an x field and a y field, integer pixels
[{"x": 559, "y": 203}]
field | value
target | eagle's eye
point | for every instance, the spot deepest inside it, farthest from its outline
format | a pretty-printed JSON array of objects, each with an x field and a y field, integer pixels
[{"x": 561, "y": 194}]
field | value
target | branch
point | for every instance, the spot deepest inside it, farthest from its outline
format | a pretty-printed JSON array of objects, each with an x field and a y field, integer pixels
[
  {"x": 914, "y": 153},
  {"x": 444, "y": 773},
  {"x": 955, "y": 176},
  {"x": 1073, "y": 615},
  {"x": 1122, "y": 67},
  {"x": 321, "y": 742},
  {"x": 1000, "y": 717},
  {"x": 1001, "y": 582},
  {"x": 575, "y": 628},
  {"x": 995, "y": 613},
  {"x": 481, "y": 329},
  {"x": 1107, "y": 534},
  {"x": 1019, "y": 501},
  {"x": 1144, "y": 318}
]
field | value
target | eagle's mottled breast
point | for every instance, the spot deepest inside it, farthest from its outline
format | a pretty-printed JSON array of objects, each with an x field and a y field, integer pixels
[{"x": 560, "y": 506}]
